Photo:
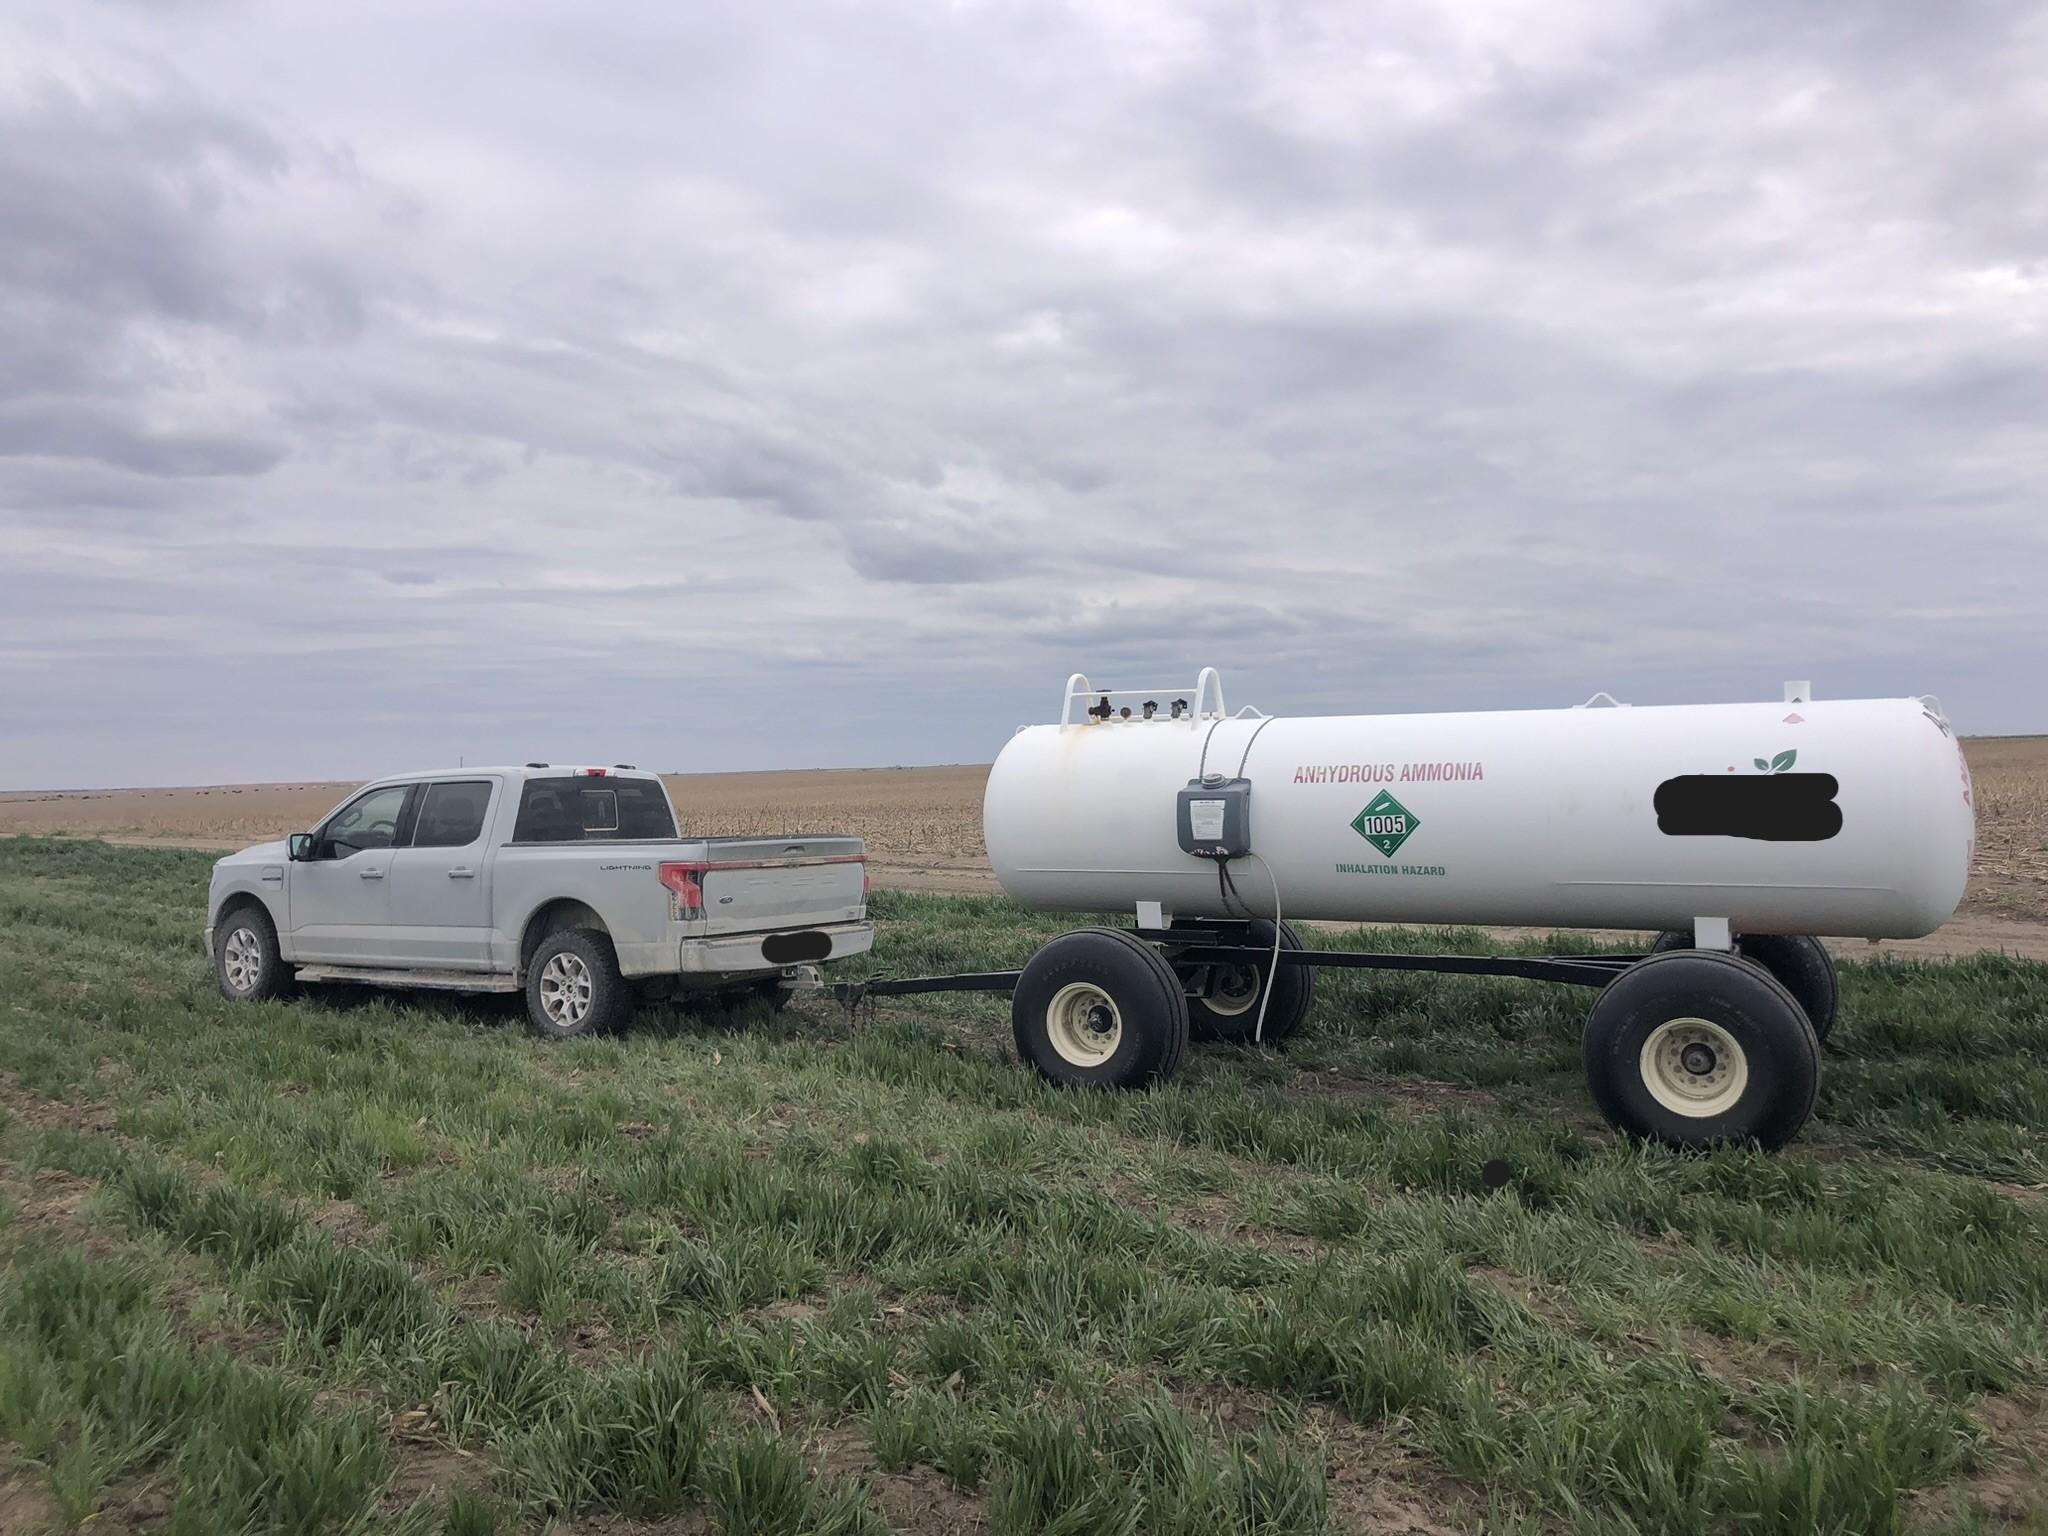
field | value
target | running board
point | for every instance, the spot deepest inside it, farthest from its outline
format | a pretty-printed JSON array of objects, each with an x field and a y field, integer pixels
[{"x": 386, "y": 976}]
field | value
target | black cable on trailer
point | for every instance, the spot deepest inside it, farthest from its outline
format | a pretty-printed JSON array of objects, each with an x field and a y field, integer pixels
[
  {"x": 1231, "y": 895},
  {"x": 1247, "y": 756},
  {"x": 1273, "y": 969}
]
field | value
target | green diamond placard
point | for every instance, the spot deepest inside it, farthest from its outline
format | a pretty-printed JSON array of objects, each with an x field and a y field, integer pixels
[{"x": 1386, "y": 823}]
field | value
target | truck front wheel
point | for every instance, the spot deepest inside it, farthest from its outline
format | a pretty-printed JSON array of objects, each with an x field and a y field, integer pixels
[
  {"x": 573, "y": 985},
  {"x": 246, "y": 961}
]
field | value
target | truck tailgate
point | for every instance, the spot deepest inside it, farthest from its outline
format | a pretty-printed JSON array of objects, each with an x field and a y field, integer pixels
[{"x": 752, "y": 884}]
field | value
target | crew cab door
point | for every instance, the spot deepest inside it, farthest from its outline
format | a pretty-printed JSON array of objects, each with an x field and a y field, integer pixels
[
  {"x": 340, "y": 898},
  {"x": 441, "y": 882}
]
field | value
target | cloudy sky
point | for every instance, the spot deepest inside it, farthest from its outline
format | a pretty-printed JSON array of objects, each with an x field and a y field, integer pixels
[{"x": 728, "y": 384}]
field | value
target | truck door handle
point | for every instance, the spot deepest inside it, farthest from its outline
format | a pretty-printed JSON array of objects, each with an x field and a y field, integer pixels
[
  {"x": 461, "y": 874},
  {"x": 371, "y": 874}
]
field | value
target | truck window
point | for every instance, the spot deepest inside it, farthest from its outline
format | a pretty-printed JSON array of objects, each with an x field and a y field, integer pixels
[
  {"x": 592, "y": 810},
  {"x": 452, "y": 814},
  {"x": 374, "y": 819}
]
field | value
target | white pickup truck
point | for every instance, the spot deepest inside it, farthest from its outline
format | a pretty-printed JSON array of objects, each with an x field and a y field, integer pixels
[{"x": 570, "y": 884}]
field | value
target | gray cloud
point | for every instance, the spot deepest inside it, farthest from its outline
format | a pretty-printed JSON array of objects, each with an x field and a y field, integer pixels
[
  {"x": 842, "y": 378},
  {"x": 76, "y": 429}
]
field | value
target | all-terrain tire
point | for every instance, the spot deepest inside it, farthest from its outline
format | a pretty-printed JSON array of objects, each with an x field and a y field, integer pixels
[
  {"x": 1231, "y": 1015},
  {"x": 1694, "y": 1048},
  {"x": 1100, "y": 1007},
  {"x": 573, "y": 986},
  {"x": 1802, "y": 965},
  {"x": 246, "y": 962}
]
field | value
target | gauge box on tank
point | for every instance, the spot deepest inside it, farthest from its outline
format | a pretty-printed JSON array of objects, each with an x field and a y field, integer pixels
[{"x": 1216, "y": 818}]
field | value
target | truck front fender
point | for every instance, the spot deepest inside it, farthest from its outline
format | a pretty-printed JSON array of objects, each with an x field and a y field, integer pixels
[{"x": 259, "y": 889}]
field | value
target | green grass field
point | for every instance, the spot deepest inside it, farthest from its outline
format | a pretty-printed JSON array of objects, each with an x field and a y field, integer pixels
[{"x": 385, "y": 1262}]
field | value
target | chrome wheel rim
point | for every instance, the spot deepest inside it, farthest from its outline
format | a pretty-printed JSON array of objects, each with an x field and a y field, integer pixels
[
  {"x": 1084, "y": 1024},
  {"x": 1694, "y": 1067},
  {"x": 1236, "y": 990},
  {"x": 565, "y": 990},
  {"x": 242, "y": 959}
]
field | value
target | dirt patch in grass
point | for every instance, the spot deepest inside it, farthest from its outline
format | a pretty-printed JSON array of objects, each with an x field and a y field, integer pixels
[
  {"x": 136, "y": 1504},
  {"x": 917, "y": 1500},
  {"x": 2026, "y": 1194},
  {"x": 1409, "y": 1095},
  {"x": 1374, "y": 1484},
  {"x": 2010, "y": 1489},
  {"x": 1215, "y": 1216},
  {"x": 33, "y": 1109},
  {"x": 1734, "y": 1365},
  {"x": 343, "y": 1220},
  {"x": 589, "y": 1343},
  {"x": 24, "y": 1504},
  {"x": 426, "y": 1468},
  {"x": 48, "y": 1204},
  {"x": 1519, "y": 1288},
  {"x": 1378, "y": 1486}
]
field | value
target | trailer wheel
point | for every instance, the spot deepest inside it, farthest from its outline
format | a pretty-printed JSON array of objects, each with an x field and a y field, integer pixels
[
  {"x": 1229, "y": 1009},
  {"x": 573, "y": 985},
  {"x": 1100, "y": 1007},
  {"x": 1694, "y": 1048},
  {"x": 1802, "y": 966}
]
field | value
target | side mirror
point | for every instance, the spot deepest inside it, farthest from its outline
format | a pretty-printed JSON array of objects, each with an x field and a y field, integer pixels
[{"x": 300, "y": 846}]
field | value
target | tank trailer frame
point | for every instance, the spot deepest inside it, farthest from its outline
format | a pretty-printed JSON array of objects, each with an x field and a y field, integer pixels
[
  {"x": 1673, "y": 1046},
  {"x": 1199, "y": 946}
]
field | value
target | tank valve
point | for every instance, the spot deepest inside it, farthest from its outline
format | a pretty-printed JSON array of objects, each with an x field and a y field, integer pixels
[
  {"x": 1102, "y": 711},
  {"x": 1151, "y": 708}
]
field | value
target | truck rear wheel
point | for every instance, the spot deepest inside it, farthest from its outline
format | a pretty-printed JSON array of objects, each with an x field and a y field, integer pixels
[
  {"x": 1228, "y": 1007},
  {"x": 573, "y": 985},
  {"x": 1694, "y": 1048},
  {"x": 1802, "y": 966},
  {"x": 1100, "y": 1007}
]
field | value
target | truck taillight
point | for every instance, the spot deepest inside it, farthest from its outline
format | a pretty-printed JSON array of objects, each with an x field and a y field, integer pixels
[
  {"x": 684, "y": 881},
  {"x": 867, "y": 881},
  {"x": 592, "y": 773}
]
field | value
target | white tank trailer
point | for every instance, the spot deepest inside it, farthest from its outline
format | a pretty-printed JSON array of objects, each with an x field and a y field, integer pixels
[{"x": 1736, "y": 832}]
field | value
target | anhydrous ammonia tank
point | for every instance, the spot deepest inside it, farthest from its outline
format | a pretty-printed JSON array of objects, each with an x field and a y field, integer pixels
[{"x": 1837, "y": 817}]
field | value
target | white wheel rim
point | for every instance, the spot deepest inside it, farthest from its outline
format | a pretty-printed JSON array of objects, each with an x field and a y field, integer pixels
[
  {"x": 565, "y": 989},
  {"x": 1236, "y": 990},
  {"x": 1084, "y": 1024},
  {"x": 1694, "y": 1067},
  {"x": 242, "y": 959}
]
